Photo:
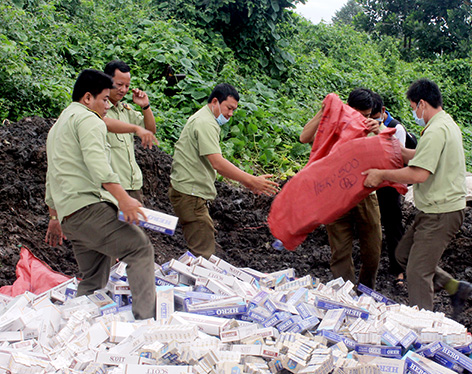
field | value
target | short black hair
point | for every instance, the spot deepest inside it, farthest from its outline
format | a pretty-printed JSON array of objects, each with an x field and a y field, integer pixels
[
  {"x": 360, "y": 99},
  {"x": 377, "y": 103},
  {"x": 90, "y": 80},
  {"x": 222, "y": 91},
  {"x": 111, "y": 67},
  {"x": 424, "y": 89}
]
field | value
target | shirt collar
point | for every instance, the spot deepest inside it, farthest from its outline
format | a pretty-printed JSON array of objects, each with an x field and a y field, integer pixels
[{"x": 389, "y": 118}]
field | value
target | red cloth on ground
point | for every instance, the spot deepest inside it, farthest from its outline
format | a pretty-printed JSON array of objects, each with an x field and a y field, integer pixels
[
  {"x": 331, "y": 183},
  {"x": 32, "y": 275}
]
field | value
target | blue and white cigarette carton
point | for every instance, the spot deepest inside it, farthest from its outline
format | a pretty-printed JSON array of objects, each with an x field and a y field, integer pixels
[{"x": 156, "y": 221}]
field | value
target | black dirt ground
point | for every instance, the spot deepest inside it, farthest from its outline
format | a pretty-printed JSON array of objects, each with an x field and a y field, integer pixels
[{"x": 240, "y": 217}]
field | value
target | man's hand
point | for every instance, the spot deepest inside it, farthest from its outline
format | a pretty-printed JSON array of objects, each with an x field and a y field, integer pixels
[
  {"x": 140, "y": 97},
  {"x": 147, "y": 137},
  {"x": 373, "y": 125},
  {"x": 373, "y": 179},
  {"x": 262, "y": 185},
  {"x": 54, "y": 235},
  {"x": 131, "y": 208}
]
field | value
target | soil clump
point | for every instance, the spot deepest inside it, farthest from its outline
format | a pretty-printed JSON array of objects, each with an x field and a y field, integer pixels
[{"x": 240, "y": 218}]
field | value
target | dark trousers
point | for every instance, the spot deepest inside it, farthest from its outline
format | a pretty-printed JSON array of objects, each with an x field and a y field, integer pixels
[
  {"x": 391, "y": 216},
  {"x": 98, "y": 238},
  {"x": 197, "y": 225},
  {"x": 419, "y": 253},
  {"x": 365, "y": 216}
]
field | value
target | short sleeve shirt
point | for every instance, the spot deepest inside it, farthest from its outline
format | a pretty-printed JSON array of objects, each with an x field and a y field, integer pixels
[
  {"x": 192, "y": 172},
  {"x": 440, "y": 151},
  {"x": 78, "y": 161},
  {"x": 123, "y": 160}
]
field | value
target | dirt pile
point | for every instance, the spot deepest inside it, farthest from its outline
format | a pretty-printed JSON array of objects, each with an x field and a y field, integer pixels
[{"x": 240, "y": 218}]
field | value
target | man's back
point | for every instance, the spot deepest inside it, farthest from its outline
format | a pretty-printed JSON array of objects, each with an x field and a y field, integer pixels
[
  {"x": 440, "y": 152},
  {"x": 77, "y": 161}
]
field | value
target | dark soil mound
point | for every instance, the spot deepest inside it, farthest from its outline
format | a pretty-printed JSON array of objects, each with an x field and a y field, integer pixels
[{"x": 240, "y": 218}]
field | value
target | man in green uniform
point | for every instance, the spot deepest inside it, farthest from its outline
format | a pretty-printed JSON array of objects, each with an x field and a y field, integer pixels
[
  {"x": 437, "y": 171},
  {"x": 123, "y": 159},
  {"x": 197, "y": 159},
  {"x": 83, "y": 194}
]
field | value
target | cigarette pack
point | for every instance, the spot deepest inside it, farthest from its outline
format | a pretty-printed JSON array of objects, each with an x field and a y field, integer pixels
[
  {"x": 375, "y": 295},
  {"x": 230, "y": 269},
  {"x": 306, "y": 324},
  {"x": 156, "y": 221},
  {"x": 164, "y": 302},
  {"x": 465, "y": 349},
  {"x": 333, "y": 320},
  {"x": 151, "y": 369},
  {"x": 454, "y": 356},
  {"x": 275, "y": 319},
  {"x": 288, "y": 323},
  {"x": 421, "y": 365},
  {"x": 336, "y": 338},
  {"x": 206, "y": 273},
  {"x": 386, "y": 365},
  {"x": 379, "y": 350},
  {"x": 350, "y": 311},
  {"x": 207, "y": 324},
  {"x": 116, "y": 359},
  {"x": 118, "y": 287}
]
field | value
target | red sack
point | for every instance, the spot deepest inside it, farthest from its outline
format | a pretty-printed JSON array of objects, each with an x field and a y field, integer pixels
[
  {"x": 33, "y": 275},
  {"x": 329, "y": 186},
  {"x": 339, "y": 124}
]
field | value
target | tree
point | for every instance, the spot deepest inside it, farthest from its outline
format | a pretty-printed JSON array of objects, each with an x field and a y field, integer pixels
[
  {"x": 425, "y": 27},
  {"x": 346, "y": 14},
  {"x": 249, "y": 27}
]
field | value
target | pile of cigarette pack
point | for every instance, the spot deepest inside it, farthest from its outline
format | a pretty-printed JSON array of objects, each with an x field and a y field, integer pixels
[{"x": 212, "y": 317}]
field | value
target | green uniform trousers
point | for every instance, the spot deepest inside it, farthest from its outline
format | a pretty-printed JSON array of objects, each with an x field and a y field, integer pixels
[
  {"x": 419, "y": 253},
  {"x": 98, "y": 239},
  {"x": 365, "y": 217},
  {"x": 197, "y": 225}
]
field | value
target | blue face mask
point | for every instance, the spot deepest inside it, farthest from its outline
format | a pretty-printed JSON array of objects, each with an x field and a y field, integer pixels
[
  {"x": 221, "y": 118},
  {"x": 419, "y": 121}
]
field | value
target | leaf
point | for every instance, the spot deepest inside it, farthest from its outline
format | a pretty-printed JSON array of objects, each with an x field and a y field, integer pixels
[
  {"x": 186, "y": 63},
  {"x": 197, "y": 95},
  {"x": 207, "y": 17}
]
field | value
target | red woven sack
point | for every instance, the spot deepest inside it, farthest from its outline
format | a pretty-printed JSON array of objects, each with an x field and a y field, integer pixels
[
  {"x": 329, "y": 186},
  {"x": 33, "y": 275},
  {"x": 339, "y": 124}
]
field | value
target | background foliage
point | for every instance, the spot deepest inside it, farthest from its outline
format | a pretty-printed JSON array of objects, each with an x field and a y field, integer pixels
[{"x": 283, "y": 68}]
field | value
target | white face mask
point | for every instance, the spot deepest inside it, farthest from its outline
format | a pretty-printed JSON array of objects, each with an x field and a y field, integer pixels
[
  {"x": 221, "y": 119},
  {"x": 419, "y": 121}
]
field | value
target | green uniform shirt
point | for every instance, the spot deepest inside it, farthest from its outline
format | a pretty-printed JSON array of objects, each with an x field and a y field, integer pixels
[
  {"x": 123, "y": 160},
  {"x": 440, "y": 151},
  {"x": 78, "y": 161},
  {"x": 192, "y": 173}
]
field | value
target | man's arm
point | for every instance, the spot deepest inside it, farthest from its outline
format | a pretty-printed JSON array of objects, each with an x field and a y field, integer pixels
[
  {"x": 310, "y": 129},
  {"x": 54, "y": 234},
  {"x": 406, "y": 175},
  {"x": 141, "y": 98},
  {"x": 129, "y": 206},
  {"x": 119, "y": 127},
  {"x": 259, "y": 184},
  {"x": 407, "y": 154}
]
